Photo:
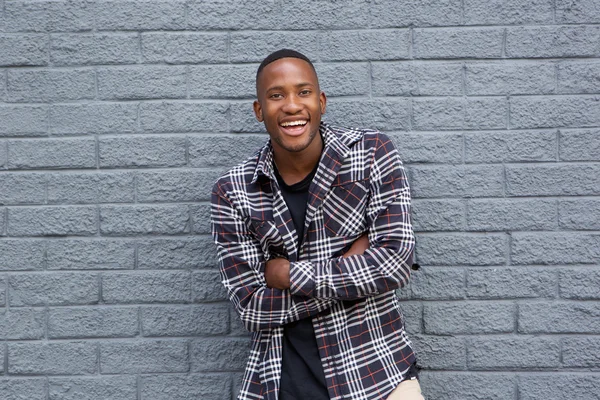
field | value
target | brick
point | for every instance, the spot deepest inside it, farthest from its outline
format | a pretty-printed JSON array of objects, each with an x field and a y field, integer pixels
[
  {"x": 146, "y": 287},
  {"x": 219, "y": 354},
  {"x": 489, "y": 147},
  {"x": 580, "y": 284},
  {"x": 581, "y": 11},
  {"x": 236, "y": 326},
  {"x": 184, "y": 117},
  {"x": 242, "y": 118},
  {"x": 144, "y": 219},
  {"x": 44, "y": 16},
  {"x": 201, "y": 218},
  {"x": 193, "y": 252},
  {"x": 434, "y": 283},
  {"x": 467, "y": 386},
  {"x": 578, "y": 77},
  {"x": 193, "y": 386},
  {"x": 88, "y": 322},
  {"x": 579, "y": 214},
  {"x": 139, "y": 15},
  {"x": 438, "y": 215},
  {"x": 181, "y": 48},
  {"x": 75, "y": 254},
  {"x": 209, "y": 151},
  {"x": 234, "y": 15},
  {"x": 581, "y": 352},
  {"x": 207, "y": 287},
  {"x": 91, "y": 388},
  {"x": 50, "y": 85},
  {"x": 468, "y": 318},
  {"x": 18, "y": 188},
  {"x": 144, "y": 356},
  {"x": 426, "y": 147},
  {"x": 21, "y": 50},
  {"x": 91, "y": 188},
  {"x": 52, "y": 221},
  {"x": 199, "y": 320},
  {"x": 392, "y": 13},
  {"x": 222, "y": 81},
  {"x": 459, "y": 113},
  {"x": 2, "y": 222},
  {"x": 456, "y": 181},
  {"x": 23, "y": 389},
  {"x": 21, "y": 120},
  {"x": 510, "y": 283},
  {"x": 458, "y": 43},
  {"x": 559, "y": 317},
  {"x": 146, "y": 151},
  {"x": 3, "y": 291},
  {"x": 579, "y": 145},
  {"x": 511, "y": 215},
  {"x": 504, "y": 79},
  {"x": 3, "y": 153},
  {"x": 93, "y": 118},
  {"x": 552, "y": 41},
  {"x": 52, "y": 358},
  {"x": 344, "y": 79},
  {"x": 416, "y": 78},
  {"x": 513, "y": 352},
  {"x": 554, "y": 248},
  {"x": 179, "y": 185},
  {"x": 382, "y": 114},
  {"x": 253, "y": 46},
  {"x": 557, "y": 386},
  {"x": 147, "y": 82},
  {"x": 324, "y": 14},
  {"x": 461, "y": 249},
  {"x": 93, "y": 49},
  {"x": 552, "y": 180},
  {"x": 20, "y": 255},
  {"x": 55, "y": 289},
  {"x": 412, "y": 311},
  {"x": 554, "y": 112},
  {"x": 509, "y": 12},
  {"x": 364, "y": 45},
  {"x": 52, "y": 153},
  {"x": 439, "y": 352},
  {"x": 22, "y": 324}
]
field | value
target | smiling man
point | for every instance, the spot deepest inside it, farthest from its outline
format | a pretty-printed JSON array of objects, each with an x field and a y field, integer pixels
[{"x": 314, "y": 235}]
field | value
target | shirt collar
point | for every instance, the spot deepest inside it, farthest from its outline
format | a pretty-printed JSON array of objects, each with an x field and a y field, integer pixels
[{"x": 333, "y": 143}]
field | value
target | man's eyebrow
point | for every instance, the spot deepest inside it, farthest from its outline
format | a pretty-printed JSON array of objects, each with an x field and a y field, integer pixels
[{"x": 297, "y": 86}]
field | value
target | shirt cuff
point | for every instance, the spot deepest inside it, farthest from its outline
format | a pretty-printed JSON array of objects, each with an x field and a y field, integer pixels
[{"x": 302, "y": 281}]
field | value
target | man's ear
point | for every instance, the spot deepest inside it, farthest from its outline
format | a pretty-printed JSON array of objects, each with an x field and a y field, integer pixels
[
  {"x": 323, "y": 102},
  {"x": 258, "y": 111}
]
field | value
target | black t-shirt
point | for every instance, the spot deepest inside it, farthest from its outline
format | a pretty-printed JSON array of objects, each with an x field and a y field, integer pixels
[{"x": 302, "y": 375}]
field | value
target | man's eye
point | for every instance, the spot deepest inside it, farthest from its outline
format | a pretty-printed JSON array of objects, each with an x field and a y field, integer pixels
[
  {"x": 305, "y": 92},
  {"x": 276, "y": 96}
]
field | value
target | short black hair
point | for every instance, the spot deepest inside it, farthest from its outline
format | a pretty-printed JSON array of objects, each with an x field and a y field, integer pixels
[{"x": 279, "y": 54}]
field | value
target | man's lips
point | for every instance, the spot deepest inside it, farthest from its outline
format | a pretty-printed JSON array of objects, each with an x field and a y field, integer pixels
[{"x": 293, "y": 127}]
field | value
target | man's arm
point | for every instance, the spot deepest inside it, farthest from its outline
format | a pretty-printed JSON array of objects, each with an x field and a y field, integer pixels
[
  {"x": 385, "y": 265},
  {"x": 260, "y": 307}
]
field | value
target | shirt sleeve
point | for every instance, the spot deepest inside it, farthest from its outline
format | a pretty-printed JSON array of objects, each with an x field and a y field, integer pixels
[
  {"x": 241, "y": 265},
  {"x": 387, "y": 263}
]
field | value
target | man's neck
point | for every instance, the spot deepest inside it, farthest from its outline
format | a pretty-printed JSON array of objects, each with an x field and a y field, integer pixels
[{"x": 293, "y": 167}]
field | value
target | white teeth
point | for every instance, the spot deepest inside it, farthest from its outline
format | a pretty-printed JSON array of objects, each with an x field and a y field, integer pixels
[{"x": 293, "y": 123}]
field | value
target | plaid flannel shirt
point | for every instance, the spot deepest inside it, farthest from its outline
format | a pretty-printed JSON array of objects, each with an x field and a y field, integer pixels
[{"x": 360, "y": 186}]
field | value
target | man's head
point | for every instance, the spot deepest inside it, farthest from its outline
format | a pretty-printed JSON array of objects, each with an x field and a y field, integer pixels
[{"x": 289, "y": 100}]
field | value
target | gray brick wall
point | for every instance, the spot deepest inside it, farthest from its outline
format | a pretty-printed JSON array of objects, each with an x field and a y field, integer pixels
[{"x": 117, "y": 116}]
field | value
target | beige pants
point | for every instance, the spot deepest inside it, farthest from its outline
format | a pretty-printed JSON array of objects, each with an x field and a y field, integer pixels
[{"x": 407, "y": 390}]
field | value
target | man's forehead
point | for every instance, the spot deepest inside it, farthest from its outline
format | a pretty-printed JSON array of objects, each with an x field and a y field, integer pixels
[{"x": 287, "y": 67}]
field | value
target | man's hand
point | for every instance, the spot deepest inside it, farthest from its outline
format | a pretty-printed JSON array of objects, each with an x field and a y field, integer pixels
[
  {"x": 359, "y": 246},
  {"x": 277, "y": 273}
]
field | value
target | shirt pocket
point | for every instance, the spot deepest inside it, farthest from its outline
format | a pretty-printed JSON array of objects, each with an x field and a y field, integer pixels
[
  {"x": 344, "y": 209},
  {"x": 268, "y": 236}
]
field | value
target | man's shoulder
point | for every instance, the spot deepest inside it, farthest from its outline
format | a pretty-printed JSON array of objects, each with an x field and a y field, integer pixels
[
  {"x": 239, "y": 176},
  {"x": 352, "y": 136}
]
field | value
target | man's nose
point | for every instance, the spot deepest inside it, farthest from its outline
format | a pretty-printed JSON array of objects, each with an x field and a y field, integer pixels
[{"x": 292, "y": 104}]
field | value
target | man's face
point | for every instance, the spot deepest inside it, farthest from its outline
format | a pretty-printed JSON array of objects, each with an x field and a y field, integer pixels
[{"x": 290, "y": 104}]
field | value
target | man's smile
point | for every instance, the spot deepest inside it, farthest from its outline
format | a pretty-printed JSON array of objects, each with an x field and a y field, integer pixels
[{"x": 294, "y": 127}]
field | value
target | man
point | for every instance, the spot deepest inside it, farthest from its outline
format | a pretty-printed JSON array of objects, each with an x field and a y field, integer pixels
[{"x": 314, "y": 236}]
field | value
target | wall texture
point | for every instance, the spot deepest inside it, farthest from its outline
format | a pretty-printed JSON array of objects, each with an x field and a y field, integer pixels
[{"x": 117, "y": 116}]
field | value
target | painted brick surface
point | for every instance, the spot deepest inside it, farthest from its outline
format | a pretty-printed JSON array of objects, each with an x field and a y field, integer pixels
[{"x": 116, "y": 118}]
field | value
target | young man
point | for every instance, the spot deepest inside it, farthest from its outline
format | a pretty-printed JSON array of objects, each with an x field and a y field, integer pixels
[{"x": 314, "y": 236}]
